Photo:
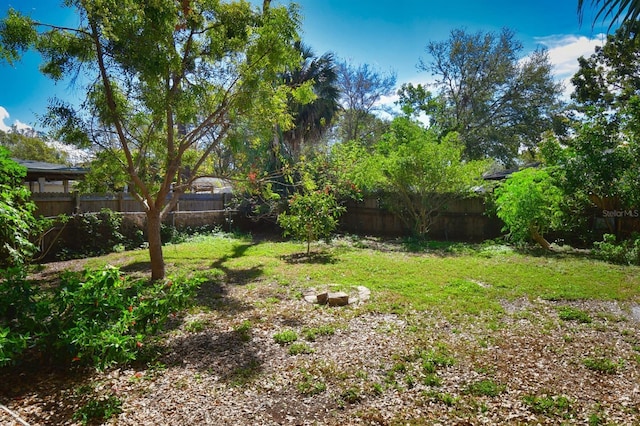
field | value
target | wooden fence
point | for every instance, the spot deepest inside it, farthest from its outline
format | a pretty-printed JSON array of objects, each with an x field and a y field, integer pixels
[
  {"x": 53, "y": 204},
  {"x": 462, "y": 219}
]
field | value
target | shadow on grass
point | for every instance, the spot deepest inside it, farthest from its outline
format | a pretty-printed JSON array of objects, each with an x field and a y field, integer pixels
[
  {"x": 237, "y": 276},
  {"x": 320, "y": 258},
  {"x": 136, "y": 267},
  {"x": 557, "y": 252}
]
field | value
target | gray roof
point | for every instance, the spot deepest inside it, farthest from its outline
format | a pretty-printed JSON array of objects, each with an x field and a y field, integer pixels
[{"x": 51, "y": 171}]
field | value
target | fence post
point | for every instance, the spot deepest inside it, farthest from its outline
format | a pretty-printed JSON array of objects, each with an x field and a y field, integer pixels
[{"x": 76, "y": 202}]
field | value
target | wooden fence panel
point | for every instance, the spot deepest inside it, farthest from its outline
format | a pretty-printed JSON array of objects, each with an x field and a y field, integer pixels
[{"x": 462, "y": 219}]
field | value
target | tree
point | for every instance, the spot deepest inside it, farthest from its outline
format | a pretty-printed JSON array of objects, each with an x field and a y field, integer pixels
[
  {"x": 27, "y": 147},
  {"x": 611, "y": 75},
  {"x": 498, "y": 102},
  {"x": 625, "y": 10},
  {"x": 105, "y": 173},
  {"x": 166, "y": 78},
  {"x": 421, "y": 172},
  {"x": 601, "y": 159},
  {"x": 311, "y": 216},
  {"x": 361, "y": 88},
  {"x": 529, "y": 203},
  {"x": 311, "y": 120}
]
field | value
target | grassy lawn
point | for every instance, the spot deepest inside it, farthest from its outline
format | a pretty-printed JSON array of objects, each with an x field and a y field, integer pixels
[{"x": 460, "y": 279}]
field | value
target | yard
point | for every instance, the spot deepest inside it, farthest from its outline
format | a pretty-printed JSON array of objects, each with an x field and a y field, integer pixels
[{"x": 452, "y": 334}]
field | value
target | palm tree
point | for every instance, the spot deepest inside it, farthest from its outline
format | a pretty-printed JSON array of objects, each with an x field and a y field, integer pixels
[
  {"x": 625, "y": 10},
  {"x": 313, "y": 119}
]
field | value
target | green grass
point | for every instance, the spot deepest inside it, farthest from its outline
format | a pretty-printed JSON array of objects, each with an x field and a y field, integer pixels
[
  {"x": 602, "y": 365},
  {"x": 568, "y": 313},
  {"x": 485, "y": 387},
  {"x": 465, "y": 282},
  {"x": 285, "y": 337}
]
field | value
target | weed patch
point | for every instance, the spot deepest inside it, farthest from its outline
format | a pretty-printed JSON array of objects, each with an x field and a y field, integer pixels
[
  {"x": 602, "y": 365},
  {"x": 485, "y": 387},
  {"x": 300, "y": 348},
  {"x": 568, "y": 313},
  {"x": 549, "y": 405},
  {"x": 98, "y": 409},
  {"x": 285, "y": 337}
]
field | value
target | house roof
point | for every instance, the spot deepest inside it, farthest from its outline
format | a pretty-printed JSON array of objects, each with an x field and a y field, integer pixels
[
  {"x": 503, "y": 174},
  {"x": 51, "y": 171}
]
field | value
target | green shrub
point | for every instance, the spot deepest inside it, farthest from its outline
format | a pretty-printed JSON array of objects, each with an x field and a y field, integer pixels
[
  {"x": 18, "y": 314},
  {"x": 625, "y": 252},
  {"x": 102, "y": 316},
  {"x": 98, "y": 317},
  {"x": 529, "y": 203},
  {"x": 19, "y": 227},
  {"x": 92, "y": 234}
]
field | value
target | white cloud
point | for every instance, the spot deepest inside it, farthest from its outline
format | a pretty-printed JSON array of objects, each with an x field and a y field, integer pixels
[
  {"x": 564, "y": 51},
  {"x": 4, "y": 114},
  {"x": 22, "y": 126}
]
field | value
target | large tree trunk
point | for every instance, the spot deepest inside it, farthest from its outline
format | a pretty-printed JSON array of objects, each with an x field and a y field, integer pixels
[{"x": 155, "y": 244}]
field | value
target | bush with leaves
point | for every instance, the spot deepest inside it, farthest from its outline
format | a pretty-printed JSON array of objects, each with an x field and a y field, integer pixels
[
  {"x": 18, "y": 319},
  {"x": 311, "y": 216},
  {"x": 18, "y": 225},
  {"x": 529, "y": 203},
  {"x": 421, "y": 172},
  {"x": 626, "y": 252},
  {"x": 97, "y": 317}
]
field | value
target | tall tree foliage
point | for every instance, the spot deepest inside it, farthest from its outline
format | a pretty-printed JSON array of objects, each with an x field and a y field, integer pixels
[
  {"x": 362, "y": 87},
  {"x": 27, "y": 147},
  {"x": 601, "y": 158},
  {"x": 497, "y": 101},
  {"x": 312, "y": 119},
  {"x": 166, "y": 77},
  {"x": 611, "y": 75}
]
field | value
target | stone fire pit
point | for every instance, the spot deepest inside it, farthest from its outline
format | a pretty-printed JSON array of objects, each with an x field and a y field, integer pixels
[{"x": 327, "y": 296}]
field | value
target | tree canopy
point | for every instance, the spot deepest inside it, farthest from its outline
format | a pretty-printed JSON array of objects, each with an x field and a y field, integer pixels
[
  {"x": 361, "y": 88},
  {"x": 499, "y": 102},
  {"x": 164, "y": 78},
  {"x": 26, "y": 147},
  {"x": 600, "y": 158}
]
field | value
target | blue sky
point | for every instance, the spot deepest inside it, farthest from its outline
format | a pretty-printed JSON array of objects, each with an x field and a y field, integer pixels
[{"x": 391, "y": 36}]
